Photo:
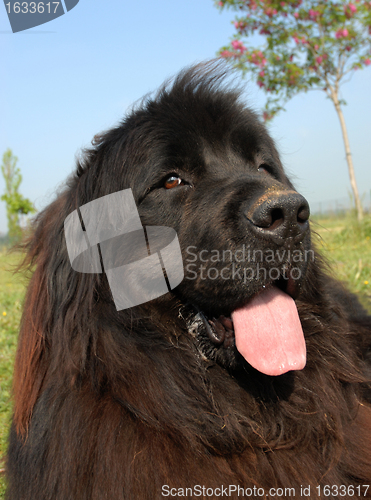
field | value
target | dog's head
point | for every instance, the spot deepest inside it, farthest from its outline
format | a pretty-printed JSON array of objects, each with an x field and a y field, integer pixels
[{"x": 199, "y": 161}]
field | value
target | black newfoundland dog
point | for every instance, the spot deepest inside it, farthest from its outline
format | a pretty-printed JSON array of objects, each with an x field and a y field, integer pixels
[{"x": 248, "y": 378}]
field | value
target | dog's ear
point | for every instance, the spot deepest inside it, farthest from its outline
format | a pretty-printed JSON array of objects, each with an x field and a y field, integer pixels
[
  {"x": 31, "y": 363},
  {"x": 54, "y": 295}
]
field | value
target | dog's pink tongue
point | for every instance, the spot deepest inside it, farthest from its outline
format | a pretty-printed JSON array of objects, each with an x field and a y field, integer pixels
[{"x": 268, "y": 333}]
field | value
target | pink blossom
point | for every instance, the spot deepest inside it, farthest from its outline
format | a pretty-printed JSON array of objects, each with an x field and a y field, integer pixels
[
  {"x": 237, "y": 45},
  {"x": 227, "y": 53},
  {"x": 270, "y": 12},
  {"x": 296, "y": 39},
  {"x": 283, "y": 4},
  {"x": 258, "y": 59},
  {"x": 239, "y": 25},
  {"x": 313, "y": 14},
  {"x": 296, "y": 15},
  {"x": 367, "y": 62},
  {"x": 316, "y": 47},
  {"x": 350, "y": 10},
  {"x": 261, "y": 73},
  {"x": 342, "y": 33},
  {"x": 319, "y": 59},
  {"x": 261, "y": 84}
]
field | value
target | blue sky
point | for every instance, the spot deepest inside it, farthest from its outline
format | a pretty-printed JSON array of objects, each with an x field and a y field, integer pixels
[{"x": 65, "y": 81}]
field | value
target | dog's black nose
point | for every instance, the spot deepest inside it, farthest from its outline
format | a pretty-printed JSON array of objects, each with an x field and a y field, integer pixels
[{"x": 280, "y": 215}]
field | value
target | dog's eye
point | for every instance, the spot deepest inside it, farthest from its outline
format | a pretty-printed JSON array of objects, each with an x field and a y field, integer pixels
[
  {"x": 264, "y": 169},
  {"x": 173, "y": 181}
]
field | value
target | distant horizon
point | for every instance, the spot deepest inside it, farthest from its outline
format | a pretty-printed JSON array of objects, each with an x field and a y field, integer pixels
[{"x": 334, "y": 206}]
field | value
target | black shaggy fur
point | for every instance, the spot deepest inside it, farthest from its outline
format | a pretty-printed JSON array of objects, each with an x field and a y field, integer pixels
[{"x": 117, "y": 405}]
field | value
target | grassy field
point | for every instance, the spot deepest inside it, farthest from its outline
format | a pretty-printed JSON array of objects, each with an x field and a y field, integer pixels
[
  {"x": 346, "y": 244},
  {"x": 11, "y": 296},
  {"x": 347, "y": 247}
]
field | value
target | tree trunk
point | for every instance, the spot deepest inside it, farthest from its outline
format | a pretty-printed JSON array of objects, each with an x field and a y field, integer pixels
[{"x": 348, "y": 155}]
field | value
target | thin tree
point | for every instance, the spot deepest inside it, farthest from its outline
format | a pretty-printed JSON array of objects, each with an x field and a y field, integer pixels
[
  {"x": 307, "y": 44},
  {"x": 16, "y": 204}
]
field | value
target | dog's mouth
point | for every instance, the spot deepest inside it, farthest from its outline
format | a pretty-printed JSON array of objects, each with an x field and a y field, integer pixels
[{"x": 266, "y": 331}]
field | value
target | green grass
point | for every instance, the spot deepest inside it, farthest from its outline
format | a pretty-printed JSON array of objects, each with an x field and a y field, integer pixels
[
  {"x": 11, "y": 297},
  {"x": 346, "y": 244}
]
